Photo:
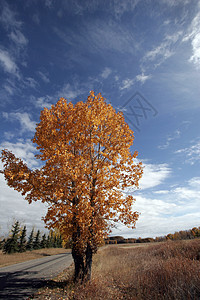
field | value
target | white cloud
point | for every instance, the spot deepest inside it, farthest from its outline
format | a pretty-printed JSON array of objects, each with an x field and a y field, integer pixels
[
  {"x": 154, "y": 175},
  {"x": 13, "y": 206},
  {"x": 193, "y": 35},
  {"x": 170, "y": 138},
  {"x": 44, "y": 77},
  {"x": 195, "y": 182},
  {"x": 24, "y": 118},
  {"x": 30, "y": 82},
  {"x": 171, "y": 210},
  {"x": 101, "y": 36},
  {"x": 8, "y": 135},
  {"x": 36, "y": 19},
  {"x": 175, "y": 2},
  {"x": 42, "y": 102},
  {"x": 192, "y": 153},
  {"x": 8, "y": 63},
  {"x": 162, "y": 192},
  {"x": 13, "y": 28},
  {"x": 106, "y": 72},
  {"x": 187, "y": 193},
  {"x": 23, "y": 149},
  {"x": 117, "y": 8},
  {"x": 154, "y": 207},
  {"x": 8, "y": 18},
  {"x": 18, "y": 38},
  {"x": 68, "y": 92},
  {"x": 142, "y": 77},
  {"x": 161, "y": 52},
  {"x": 127, "y": 83},
  {"x": 195, "y": 58},
  {"x": 120, "y": 7},
  {"x": 10, "y": 86},
  {"x": 49, "y": 3}
]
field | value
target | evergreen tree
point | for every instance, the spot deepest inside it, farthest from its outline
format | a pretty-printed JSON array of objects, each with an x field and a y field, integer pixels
[
  {"x": 55, "y": 245},
  {"x": 43, "y": 243},
  {"x": 36, "y": 243},
  {"x": 2, "y": 242},
  {"x": 30, "y": 241},
  {"x": 59, "y": 241},
  {"x": 49, "y": 241},
  {"x": 22, "y": 240},
  {"x": 12, "y": 243}
]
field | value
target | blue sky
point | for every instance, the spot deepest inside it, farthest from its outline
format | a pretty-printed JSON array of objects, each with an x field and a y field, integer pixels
[{"x": 144, "y": 57}]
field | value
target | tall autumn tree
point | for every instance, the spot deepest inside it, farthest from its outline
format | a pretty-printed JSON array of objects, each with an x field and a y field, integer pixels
[{"x": 88, "y": 165}]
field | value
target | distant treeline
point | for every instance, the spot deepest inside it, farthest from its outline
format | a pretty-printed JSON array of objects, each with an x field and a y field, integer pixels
[
  {"x": 19, "y": 242},
  {"x": 180, "y": 235}
]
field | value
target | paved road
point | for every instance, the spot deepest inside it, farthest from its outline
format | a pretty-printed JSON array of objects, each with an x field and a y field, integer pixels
[{"x": 19, "y": 281}]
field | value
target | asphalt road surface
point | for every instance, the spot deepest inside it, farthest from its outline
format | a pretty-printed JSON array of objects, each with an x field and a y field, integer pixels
[{"x": 21, "y": 280}]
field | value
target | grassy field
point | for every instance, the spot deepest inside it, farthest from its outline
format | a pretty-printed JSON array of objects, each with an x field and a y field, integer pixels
[
  {"x": 10, "y": 259},
  {"x": 169, "y": 270}
]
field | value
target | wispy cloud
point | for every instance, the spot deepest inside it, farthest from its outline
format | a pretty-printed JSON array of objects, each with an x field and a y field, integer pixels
[
  {"x": 36, "y": 19},
  {"x": 44, "y": 76},
  {"x": 11, "y": 57},
  {"x": 161, "y": 52},
  {"x": 24, "y": 118},
  {"x": 106, "y": 72},
  {"x": 116, "y": 8},
  {"x": 70, "y": 92},
  {"x": 175, "y": 2},
  {"x": 115, "y": 38},
  {"x": 10, "y": 86},
  {"x": 143, "y": 78},
  {"x": 127, "y": 83},
  {"x": 13, "y": 26},
  {"x": 154, "y": 175},
  {"x": 44, "y": 101},
  {"x": 49, "y": 3},
  {"x": 194, "y": 182},
  {"x": 170, "y": 138},
  {"x": 193, "y": 35},
  {"x": 30, "y": 82},
  {"x": 8, "y": 17},
  {"x": 18, "y": 38},
  {"x": 191, "y": 153},
  {"x": 8, "y": 63},
  {"x": 162, "y": 192}
]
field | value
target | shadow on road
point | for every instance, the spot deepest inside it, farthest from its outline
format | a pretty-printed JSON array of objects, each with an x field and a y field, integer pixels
[
  {"x": 17, "y": 286},
  {"x": 23, "y": 280}
]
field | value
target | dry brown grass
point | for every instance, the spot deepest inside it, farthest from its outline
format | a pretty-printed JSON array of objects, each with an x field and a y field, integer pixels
[
  {"x": 10, "y": 259},
  {"x": 161, "y": 271}
]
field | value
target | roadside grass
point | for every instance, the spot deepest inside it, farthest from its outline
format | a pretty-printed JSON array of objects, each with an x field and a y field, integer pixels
[
  {"x": 10, "y": 259},
  {"x": 160, "y": 271}
]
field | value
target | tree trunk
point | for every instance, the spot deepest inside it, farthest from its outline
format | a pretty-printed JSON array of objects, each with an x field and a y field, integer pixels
[
  {"x": 79, "y": 265},
  {"x": 82, "y": 270},
  {"x": 88, "y": 263}
]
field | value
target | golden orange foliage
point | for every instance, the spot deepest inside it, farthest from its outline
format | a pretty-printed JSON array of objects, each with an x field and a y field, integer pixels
[{"x": 87, "y": 166}]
